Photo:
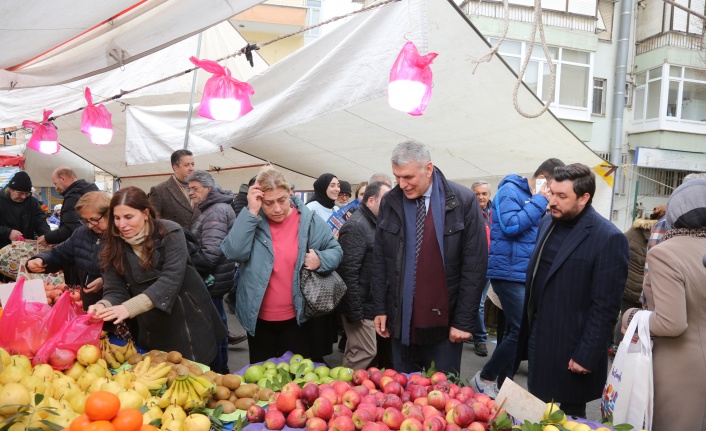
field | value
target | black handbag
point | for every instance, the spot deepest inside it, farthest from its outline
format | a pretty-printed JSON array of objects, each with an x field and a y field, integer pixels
[{"x": 322, "y": 292}]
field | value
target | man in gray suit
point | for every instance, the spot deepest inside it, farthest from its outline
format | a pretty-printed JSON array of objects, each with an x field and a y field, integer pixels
[{"x": 171, "y": 198}]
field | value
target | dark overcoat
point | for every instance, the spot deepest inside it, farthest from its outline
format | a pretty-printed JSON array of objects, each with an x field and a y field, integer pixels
[
  {"x": 170, "y": 202},
  {"x": 576, "y": 309}
]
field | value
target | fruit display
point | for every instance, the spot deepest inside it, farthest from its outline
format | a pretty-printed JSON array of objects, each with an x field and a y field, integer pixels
[{"x": 115, "y": 355}]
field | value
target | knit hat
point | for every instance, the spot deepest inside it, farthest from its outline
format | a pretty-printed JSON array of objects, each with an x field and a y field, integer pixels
[
  {"x": 346, "y": 188},
  {"x": 686, "y": 207},
  {"x": 20, "y": 182}
]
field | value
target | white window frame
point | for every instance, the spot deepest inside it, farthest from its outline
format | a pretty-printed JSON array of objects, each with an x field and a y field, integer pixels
[{"x": 604, "y": 88}]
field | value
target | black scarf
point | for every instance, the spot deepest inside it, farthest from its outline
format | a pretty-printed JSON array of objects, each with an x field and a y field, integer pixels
[{"x": 320, "y": 187}]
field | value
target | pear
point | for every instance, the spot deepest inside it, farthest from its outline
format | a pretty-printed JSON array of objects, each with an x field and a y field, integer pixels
[
  {"x": 13, "y": 374},
  {"x": 11, "y": 395},
  {"x": 46, "y": 402},
  {"x": 124, "y": 379},
  {"x": 130, "y": 399},
  {"x": 66, "y": 391},
  {"x": 153, "y": 413},
  {"x": 75, "y": 371},
  {"x": 96, "y": 385},
  {"x": 113, "y": 387},
  {"x": 141, "y": 389},
  {"x": 97, "y": 370},
  {"x": 44, "y": 372},
  {"x": 88, "y": 354},
  {"x": 23, "y": 361},
  {"x": 78, "y": 402},
  {"x": 62, "y": 380},
  {"x": 173, "y": 425},
  {"x": 4, "y": 357},
  {"x": 197, "y": 422},
  {"x": 173, "y": 413},
  {"x": 152, "y": 401},
  {"x": 63, "y": 417},
  {"x": 34, "y": 384},
  {"x": 85, "y": 381}
]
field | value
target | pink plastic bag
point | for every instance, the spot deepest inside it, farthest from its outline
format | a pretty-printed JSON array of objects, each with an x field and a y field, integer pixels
[
  {"x": 60, "y": 350},
  {"x": 22, "y": 323},
  {"x": 222, "y": 86},
  {"x": 410, "y": 66},
  {"x": 42, "y": 134},
  {"x": 64, "y": 310},
  {"x": 96, "y": 121}
]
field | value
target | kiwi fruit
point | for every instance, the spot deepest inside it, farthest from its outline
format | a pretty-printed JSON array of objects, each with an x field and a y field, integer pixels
[
  {"x": 230, "y": 381},
  {"x": 244, "y": 403},
  {"x": 174, "y": 357},
  {"x": 134, "y": 359},
  {"x": 211, "y": 403},
  {"x": 245, "y": 391},
  {"x": 185, "y": 362},
  {"x": 222, "y": 393},
  {"x": 158, "y": 359},
  {"x": 219, "y": 381},
  {"x": 195, "y": 370},
  {"x": 170, "y": 377},
  {"x": 228, "y": 407},
  {"x": 210, "y": 375},
  {"x": 232, "y": 398},
  {"x": 265, "y": 394},
  {"x": 182, "y": 370}
]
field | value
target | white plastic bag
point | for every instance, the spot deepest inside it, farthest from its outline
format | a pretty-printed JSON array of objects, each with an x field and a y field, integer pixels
[{"x": 628, "y": 395}]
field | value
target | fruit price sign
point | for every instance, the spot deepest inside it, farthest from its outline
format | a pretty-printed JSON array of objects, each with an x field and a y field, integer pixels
[{"x": 519, "y": 403}]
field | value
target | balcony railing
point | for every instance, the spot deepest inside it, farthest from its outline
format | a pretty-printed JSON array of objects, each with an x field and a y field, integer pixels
[
  {"x": 679, "y": 40},
  {"x": 526, "y": 14}
]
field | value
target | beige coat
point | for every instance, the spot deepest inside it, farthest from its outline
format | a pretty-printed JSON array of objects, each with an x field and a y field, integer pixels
[
  {"x": 171, "y": 203},
  {"x": 676, "y": 294}
]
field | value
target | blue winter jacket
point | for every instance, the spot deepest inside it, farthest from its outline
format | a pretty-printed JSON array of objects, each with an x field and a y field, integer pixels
[
  {"x": 516, "y": 217},
  {"x": 250, "y": 243}
]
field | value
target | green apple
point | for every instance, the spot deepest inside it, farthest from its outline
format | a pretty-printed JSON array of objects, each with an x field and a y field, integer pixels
[
  {"x": 264, "y": 381},
  {"x": 270, "y": 373},
  {"x": 294, "y": 367},
  {"x": 345, "y": 374},
  {"x": 296, "y": 358},
  {"x": 322, "y": 371},
  {"x": 307, "y": 366},
  {"x": 254, "y": 373},
  {"x": 300, "y": 381},
  {"x": 325, "y": 380},
  {"x": 283, "y": 365},
  {"x": 311, "y": 377},
  {"x": 269, "y": 365},
  {"x": 334, "y": 372}
]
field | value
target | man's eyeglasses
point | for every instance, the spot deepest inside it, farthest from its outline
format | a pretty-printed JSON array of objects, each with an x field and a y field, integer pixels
[
  {"x": 91, "y": 221},
  {"x": 23, "y": 194}
]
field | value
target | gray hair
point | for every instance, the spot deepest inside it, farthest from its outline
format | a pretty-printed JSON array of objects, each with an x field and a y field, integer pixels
[
  {"x": 380, "y": 177},
  {"x": 410, "y": 151},
  {"x": 203, "y": 178},
  {"x": 479, "y": 183},
  {"x": 694, "y": 177}
]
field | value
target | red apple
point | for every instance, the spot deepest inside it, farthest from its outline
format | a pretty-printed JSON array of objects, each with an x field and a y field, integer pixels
[
  {"x": 434, "y": 423},
  {"x": 255, "y": 414},
  {"x": 309, "y": 394},
  {"x": 429, "y": 411},
  {"x": 369, "y": 399},
  {"x": 340, "y": 387},
  {"x": 482, "y": 413},
  {"x": 401, "y": 379},
  {"x": 405, "y": 396},
  {"x": 274, "y": 420},
  {"x": 341, "y": 410},
  {"x": 451, "y": 403},
  {"x": 392, "y": 400},
  {"x": 416, "y": 391},
  {"x": 393, "y": 387},
  {"x": 437, "y": 399},
  {"x": 286, "y": 402},
  {"x": 362, "y": 417},
  {"x": 372, "y": 426},
  {"x": 414, "y": 412},
  {"x": 359, "y": 376},
  {"x": 361, "y": 390},
  {"x": 372, "y": 408},
  {"x": 478, "y": 426},
  {"x": 292, "y": 387},
  {"x": 389, "y": 372},
  {"x": 299, "y": 404},
  {"x": 351, "y": 399},
  {"x": 317, "y": 424},
  {"x": 483, "y": 398},
  {"x": 411, "y": 424},
  {"x": 323, "y": 408},
  {"x": 424, "y": 381},
  {"x": 385, "y": 380},
  {"x": 438, "y": 377},
  {"x": 441, "y": 386},
  {"x": 393, "y": 418},
  {"x": 463, "y": 415},
  {"x": 329, "y": 394},
  {"x": 380, "y": 397},
  {"x": 375, "y": 377},
  {"x": 296, "y": 418},
  {"x": 378, "y": 414},
  {"x": 452, "y": 427},
  {"x": 450, "y": 417},
  {"x": 467, "y": 390},
  {"x": 423, "y": 401},
  {"x": 371, "y": 369},
  {"x": 368, "y": 384},
  {"x": 342, "y": 423}
]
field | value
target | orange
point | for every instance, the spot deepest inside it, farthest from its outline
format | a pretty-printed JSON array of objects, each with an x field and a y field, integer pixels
[
  {"x": 80, "y": 423},
  {"x": 102, "y": 406},
  {"x": 127, "y": 420},
  {"x": 100, "y": 426},
  {"x": 148, "y": 427}
]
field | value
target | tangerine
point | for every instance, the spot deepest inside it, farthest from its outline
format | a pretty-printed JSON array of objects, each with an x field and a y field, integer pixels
[
  {"x": 100, "y": 426},
  {"x": 127, "y": 420},
  {"x": 102, "y": 406},
  {"x": 80, "y": 423},
  {"x": 148, "y": 427}
]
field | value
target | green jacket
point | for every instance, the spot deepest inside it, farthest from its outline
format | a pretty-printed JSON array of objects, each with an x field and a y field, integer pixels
[{"x": 250, "y": 243}]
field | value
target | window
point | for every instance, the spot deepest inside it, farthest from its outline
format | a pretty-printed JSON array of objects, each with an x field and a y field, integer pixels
[
  {"x": 573, "y": 72},
  {"x": 599, "y": 89},
  {"x": 647, "y": 94}
]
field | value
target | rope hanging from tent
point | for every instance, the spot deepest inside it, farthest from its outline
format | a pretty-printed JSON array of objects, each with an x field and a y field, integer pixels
[
  {"x": 537, "y": 24},
  {"x": 247, "y": 51}
]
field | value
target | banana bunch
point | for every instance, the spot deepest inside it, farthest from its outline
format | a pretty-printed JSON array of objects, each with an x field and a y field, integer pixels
[
  {"x": 152, "y": 377},
  {"x": 116, "y": 355},
  {"x": 188, "y": 392}
]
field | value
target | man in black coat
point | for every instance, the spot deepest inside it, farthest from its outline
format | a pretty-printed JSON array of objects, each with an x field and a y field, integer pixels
[
  {"x": 575, "y": 280},
  {"x": 71, "y": 188},
  {"x": 430, "y": 260},
  {"x": 357, "y": 237},
  {"x": 21, "y": 214}
]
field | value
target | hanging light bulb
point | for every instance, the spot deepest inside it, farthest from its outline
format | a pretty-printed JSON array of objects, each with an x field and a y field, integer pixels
[
  {"x": 410, "y": 81},
  {"x": 96, "y": 121},
  {"x": 224, "y": 97},
  {"x": 45, "y": 138}
]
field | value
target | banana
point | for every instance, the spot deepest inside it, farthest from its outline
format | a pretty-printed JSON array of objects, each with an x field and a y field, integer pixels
[
  {"x": 143, "y": 365},
  {"x": 182, "y": 395},
  {"x": 194, "y": 400},
  {"x": 129, "y": 349},
  {"x": 110, "y": 359},
  {"x": 153, "y": 385},
  {"x": 166, "y": 398},
  {"x": 157, "y": 372},
  {"x": 117, "y": 353},
  {"x": 199, "y": 382}
]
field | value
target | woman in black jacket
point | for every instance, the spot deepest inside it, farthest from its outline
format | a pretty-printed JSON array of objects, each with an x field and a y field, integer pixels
[
  {"x": 81, "y": 249},
  {"x": 147, "y": 276}
]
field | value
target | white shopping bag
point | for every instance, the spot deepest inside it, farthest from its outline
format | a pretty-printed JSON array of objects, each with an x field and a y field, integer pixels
[{"x": 628, "y": 394}]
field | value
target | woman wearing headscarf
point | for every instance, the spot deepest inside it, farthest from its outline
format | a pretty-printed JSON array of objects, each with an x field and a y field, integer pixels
[
  {"x": 326, "y": 189},
  {"x": 675, "y": 291}
]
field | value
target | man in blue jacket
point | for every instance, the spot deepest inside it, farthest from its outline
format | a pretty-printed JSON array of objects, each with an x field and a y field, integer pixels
[{"x": 518, "y": 208}]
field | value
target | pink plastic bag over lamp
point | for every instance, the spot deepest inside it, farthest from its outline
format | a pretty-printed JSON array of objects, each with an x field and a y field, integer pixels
[
  {"x": 96, "y": 122},
  {"x": 224, "y": 97},
  {"x": 45, "y": 138},
  {"x": 410, "y": 81}
]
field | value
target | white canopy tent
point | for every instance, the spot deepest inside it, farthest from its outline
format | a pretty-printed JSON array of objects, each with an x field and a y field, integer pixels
[{"x": 324, "y": 109}]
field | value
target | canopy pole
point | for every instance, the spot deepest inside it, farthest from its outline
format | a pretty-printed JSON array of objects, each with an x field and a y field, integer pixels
[{"x": 191, "y": 96}]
